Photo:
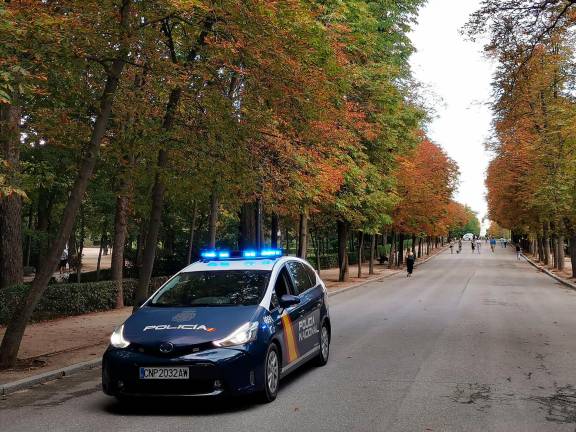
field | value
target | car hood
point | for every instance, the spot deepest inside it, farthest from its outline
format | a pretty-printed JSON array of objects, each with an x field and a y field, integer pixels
[{"x": 186, "y": 326}]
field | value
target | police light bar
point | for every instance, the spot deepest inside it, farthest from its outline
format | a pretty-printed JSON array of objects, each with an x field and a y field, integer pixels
[{"x": 213, "y": 255}]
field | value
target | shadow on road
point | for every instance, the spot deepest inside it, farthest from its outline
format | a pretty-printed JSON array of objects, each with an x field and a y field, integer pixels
[{"x": 198, "y": 406}]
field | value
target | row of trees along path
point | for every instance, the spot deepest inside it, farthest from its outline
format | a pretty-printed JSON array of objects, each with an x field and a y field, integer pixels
[
  {"x": 532, "y": 177},
  {"x": 164, "y": 126}
]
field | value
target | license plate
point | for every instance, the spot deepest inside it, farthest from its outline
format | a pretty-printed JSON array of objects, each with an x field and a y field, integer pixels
[{"x": 164, "y": 373}]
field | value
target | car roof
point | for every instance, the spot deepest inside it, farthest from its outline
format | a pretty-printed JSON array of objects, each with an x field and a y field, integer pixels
[{"x": 236, "y": 264}]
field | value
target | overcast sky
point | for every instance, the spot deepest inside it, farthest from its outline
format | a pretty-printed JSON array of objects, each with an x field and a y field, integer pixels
[{"x": 459, "y": 76}]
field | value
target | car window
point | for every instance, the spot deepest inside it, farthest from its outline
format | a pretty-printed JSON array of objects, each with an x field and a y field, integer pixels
[
  {"x": 213, "y": 288},
  {"x": 282, "y": 286},
  {"x": 311, "y": 274},
  {"x": 299, "y": 276}
]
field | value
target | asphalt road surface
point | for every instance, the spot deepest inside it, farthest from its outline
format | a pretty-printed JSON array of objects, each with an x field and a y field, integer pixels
[{"x": 470, "y": 343}]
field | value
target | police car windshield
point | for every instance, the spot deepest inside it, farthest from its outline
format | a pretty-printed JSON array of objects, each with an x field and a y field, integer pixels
[{"x": 213, "y": 288}]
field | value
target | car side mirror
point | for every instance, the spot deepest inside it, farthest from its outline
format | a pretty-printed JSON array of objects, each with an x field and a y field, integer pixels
[{"x": 288, "y": 300}]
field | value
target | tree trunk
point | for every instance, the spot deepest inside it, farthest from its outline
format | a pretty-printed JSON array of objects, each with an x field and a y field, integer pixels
[
  {"x": 43, "y": 222},
  {"x": 573, "y": 253},
  {"x": 560, "y": 253},
  {"x": 259, "y": 220},
  {"x": 154, "y": 222},
  {"x": 540, "y": 248},
  {"x": 419, "y": 247},
  {"x": 80, "y": 253},
  {"x": 342, "y": 252},
  {"x": 400, "y": 250},
  {"x": 247, "y": 230},
  {"x": 360, "y": 252},
  {"x": 192, "y": 233},
  {"x": 392, "y": 255},
  {"x": 118, "y": 244},
  {"x": 140, "y": 245},
  {"x": 546, "y": 241},
  {"x": 29, "y": 236},
  {"x": 213, "y": 220},
  {"x": 11, "y": 258},
  {"x": 274, "y": 231},
  {"x": 99, "y": 257},
  {"x": 303, "y": 234},
  {"x": 372, "y": 254},
  {"x": 384, "y": 243},
  {"x": 318, "y": 252},
  {"x": 15, "y": 330}
]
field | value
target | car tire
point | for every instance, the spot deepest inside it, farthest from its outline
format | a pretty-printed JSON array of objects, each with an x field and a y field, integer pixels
[
  {"x": 324, "y": 353},
  {"x": 271, "y": 374}
]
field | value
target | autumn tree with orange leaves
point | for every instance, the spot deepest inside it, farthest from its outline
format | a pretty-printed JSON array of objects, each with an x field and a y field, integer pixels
[
  {"x": 531, "y": 186},
  {"x": 163, "y": 127},
  {"x": 427, "y": 179}
]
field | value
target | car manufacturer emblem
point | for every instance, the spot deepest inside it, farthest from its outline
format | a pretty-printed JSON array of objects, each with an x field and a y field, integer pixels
[
  {"x": 184, "y": 316},
  {"x": 166, "y": 348}
]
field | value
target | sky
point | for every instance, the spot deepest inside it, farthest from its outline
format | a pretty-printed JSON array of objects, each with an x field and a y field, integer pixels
[{"x": 457, "y": 77}]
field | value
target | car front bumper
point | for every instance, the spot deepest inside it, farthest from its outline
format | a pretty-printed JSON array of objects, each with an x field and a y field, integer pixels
[{"x": 211, "y": 372}]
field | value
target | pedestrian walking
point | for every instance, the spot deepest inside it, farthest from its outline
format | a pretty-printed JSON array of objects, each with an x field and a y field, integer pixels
[
  {"x": 63, "y": 261},
  {"x": 473, "y": 244},
  {"x": 518, "y": 252},
  {"x": 492, "y": 244},
  {"x": 459, "y": 245},
  {"x": 478, "y": 245},
  {"x": 452, "y": 247},
  {"x": 506, "y": 243},
  {"x": 410, "y": 260}
]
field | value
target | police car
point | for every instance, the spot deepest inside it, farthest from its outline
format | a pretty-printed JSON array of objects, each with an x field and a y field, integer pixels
[{"x": 230, "y": 323}]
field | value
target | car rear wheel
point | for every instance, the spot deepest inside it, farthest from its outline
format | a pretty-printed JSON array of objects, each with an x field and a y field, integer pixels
[
  {"x": 271, "y": 374},
  {"x": 324, "y": 353}
]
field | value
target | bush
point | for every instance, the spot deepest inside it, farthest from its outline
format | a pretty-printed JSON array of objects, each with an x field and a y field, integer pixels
[
  {"x": 329, "y": 261},
  {"x": 61, "y": 300}
]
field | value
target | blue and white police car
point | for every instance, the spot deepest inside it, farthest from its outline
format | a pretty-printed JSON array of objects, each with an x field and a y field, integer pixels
[{"x": 230, "y": 323}]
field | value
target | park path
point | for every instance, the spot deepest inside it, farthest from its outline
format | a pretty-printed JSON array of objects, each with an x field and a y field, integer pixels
[{"x": 470, "y": 343}]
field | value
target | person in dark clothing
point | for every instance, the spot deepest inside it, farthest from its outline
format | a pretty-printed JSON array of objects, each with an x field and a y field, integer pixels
[{"x": 410, "y": 259}]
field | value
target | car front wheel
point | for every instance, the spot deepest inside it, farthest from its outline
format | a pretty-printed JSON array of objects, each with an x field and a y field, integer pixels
[{"x": 271, "y": 374}]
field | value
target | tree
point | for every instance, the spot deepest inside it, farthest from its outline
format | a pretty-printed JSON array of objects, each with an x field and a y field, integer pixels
[{"x": 113, "y": 71}]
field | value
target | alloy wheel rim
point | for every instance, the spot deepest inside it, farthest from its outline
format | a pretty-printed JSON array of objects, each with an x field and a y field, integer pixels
[
  {"x": 272, "y": 369},
  {"x": 324, "y": 342}
]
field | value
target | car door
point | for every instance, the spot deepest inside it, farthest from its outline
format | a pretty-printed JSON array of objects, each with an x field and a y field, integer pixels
[
  {"x": 307, "y": 316},
  {"x": 284, "y": 318}
]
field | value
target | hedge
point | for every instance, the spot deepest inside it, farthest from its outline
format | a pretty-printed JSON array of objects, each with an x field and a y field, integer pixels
[
  {"x": 328, "y": 261},
  {"x": 61, "y": 300}
]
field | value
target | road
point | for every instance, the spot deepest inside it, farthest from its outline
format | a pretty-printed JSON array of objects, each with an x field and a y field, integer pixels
[{"x": 470, "y": 343}]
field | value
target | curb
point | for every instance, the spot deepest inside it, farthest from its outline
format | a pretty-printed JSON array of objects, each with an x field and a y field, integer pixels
[
  {"x": 361, "y": 284},
  {"x": 381, "y": 278},
  {"x": 23, "y": 384},
  {"x": 26, "y": 383},
  {"x": 549, "y": 273}
]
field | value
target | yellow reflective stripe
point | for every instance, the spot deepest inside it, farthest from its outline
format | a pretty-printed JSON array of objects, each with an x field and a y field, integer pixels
[{"x": 289, "y": 338}]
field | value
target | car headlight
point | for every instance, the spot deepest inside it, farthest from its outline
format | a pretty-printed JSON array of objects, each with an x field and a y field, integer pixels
[
  {"x": 240, "y": 336},
  {"x": 117, "y": 339}
]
